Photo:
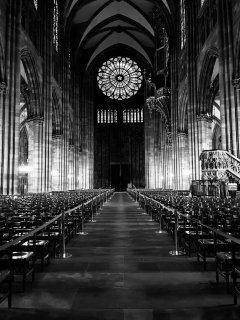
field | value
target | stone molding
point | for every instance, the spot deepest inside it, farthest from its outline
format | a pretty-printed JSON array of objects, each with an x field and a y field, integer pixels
[
  {"x": 204, "y": 117},
  {"x": 3, "y": 87},
  {"x": 236, "y": 83},
  {"x": 36, "y": 119}
]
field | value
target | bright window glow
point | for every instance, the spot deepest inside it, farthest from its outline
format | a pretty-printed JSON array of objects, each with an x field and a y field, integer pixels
[
  {"x": 23, "y": 115},
  {"x": 216, "y": 112},
  {"x": 132, "y": 115},
  {"x": 106, "y": 116},
  {"x": 36, "y": 4},
  {"x": 55, "y": 24},
  {"x": 183, "y": 23},
  {"x": 119, "y": 78}
]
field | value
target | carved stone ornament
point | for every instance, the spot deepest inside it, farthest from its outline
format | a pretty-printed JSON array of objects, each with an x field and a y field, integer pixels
[
  {"x": 219, "y": 164},
  {"x": 151, "y": 104},
  {"x": 236, "y": 83},
  {"x": 71, "y": 147},
  {"x": 163, "y": 92},
  {"x": 25, "y": 88},
  {"x": 3, "y": 87},
  {"x": 204, "y": 117},
  {"x": 35, "y": 120},
  {"x": 169, "y": 141}
]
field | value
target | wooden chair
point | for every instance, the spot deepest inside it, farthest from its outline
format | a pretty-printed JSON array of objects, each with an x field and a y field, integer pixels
[{"x": 6, "y": 278}]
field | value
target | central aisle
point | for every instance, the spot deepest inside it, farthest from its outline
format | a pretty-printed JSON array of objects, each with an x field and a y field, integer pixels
[{"x": 122, "y": 270}]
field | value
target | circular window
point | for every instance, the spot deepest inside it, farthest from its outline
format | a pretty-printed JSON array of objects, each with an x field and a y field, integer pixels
[{"x": 119, "y": 78}]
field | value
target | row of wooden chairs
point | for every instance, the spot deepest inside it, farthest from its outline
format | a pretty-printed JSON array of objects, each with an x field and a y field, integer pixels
[
  {"x": 206, "y": 228},
  {"x": 31, "y": 246}
]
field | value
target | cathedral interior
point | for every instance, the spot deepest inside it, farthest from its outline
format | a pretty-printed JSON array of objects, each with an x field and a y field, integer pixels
[{"x": 125, "y": 113}]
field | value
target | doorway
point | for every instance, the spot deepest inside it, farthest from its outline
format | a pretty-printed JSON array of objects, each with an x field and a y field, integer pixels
[{"x": 120, "y": 176}]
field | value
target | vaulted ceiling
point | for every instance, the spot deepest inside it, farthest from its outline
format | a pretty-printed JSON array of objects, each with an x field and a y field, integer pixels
[{"x": 98, "y": 26}]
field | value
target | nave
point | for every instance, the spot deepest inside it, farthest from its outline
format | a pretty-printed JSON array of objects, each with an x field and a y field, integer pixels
[{"x": 122, "y": 270}]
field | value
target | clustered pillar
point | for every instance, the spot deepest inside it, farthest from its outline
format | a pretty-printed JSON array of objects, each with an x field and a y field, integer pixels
[{"x": 9, "y": 102}]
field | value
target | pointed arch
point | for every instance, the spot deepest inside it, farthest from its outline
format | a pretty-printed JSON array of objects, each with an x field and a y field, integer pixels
[
  {"x": 163, "y": 107},
  {"x": 25, "y": 94},
  {"x": 206, "y": 85},
  {"x": 71, "y": 127},
  {"x": 56, "y": 117},
  {"x": 33, "y": 84},
  {"x": 182, "y": 112},
  {"x": 1, "y": 61},
  {"x": 237, "y": 55},
  {"x": 23, "y": 146},
  {"x": 216, "y": 137}
]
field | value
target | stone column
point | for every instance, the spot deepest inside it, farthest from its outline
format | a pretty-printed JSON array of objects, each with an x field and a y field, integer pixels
[
  {"x": 10, "y": 101},
  {"x": 192, "y": 7},
  {"x": 205, "y": 132},
  {"x": 56, "y": 173},
  {"x": 46, "y": 10},
  {"x": 230, "y": 114},
  {"x": 80, "y": 172},
  {"x": 161, "y": 166},
  {"x": 169, "y": 174},
  {"x": 86, "y": 130},
  {"x": 150, "y": 179},
  {"x": 71, "y": 168},
  {"x": 183, "y": 162},
  {"x": 35, "y": 134}
]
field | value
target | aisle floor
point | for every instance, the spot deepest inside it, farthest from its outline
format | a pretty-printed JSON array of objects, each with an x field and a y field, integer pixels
[{"x": 122, "y": 270}]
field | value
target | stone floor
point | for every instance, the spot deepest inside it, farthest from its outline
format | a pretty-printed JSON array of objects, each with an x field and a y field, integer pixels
[{"x": 122, "y": 270}]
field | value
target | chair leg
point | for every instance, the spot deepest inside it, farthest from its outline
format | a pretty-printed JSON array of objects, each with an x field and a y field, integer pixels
[
  {"x": 217, "y": 274},
  {"x": 204, "y": 260},
  {"x": 234, "y": 289},
  {"x": 227, "y": 279},
  {"x": 10, "y": 292},
  {"x": 23, "y": 280}
]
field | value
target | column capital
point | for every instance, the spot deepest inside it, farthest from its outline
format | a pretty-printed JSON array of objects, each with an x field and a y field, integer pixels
[
  {"x": 204, "y": 117},
  {"x": 36, "y": 119},
  {"x": 71, "y": 147},
  {"x": 236, "y": 83},
  {"x": 182, "y": 134},
  {"x": 3, "y": 87},
  {"x": 169, "y": 139},
  {"x": 57, "y": 137}
]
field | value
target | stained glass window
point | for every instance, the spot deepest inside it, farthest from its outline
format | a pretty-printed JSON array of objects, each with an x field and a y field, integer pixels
[
  {"x": 119, "y": 78},
  {"x": 36, "y": 4},
  {"x": 166, "y": 46},
  {"x": 106, "y": 116},
  {"x": 183, "y": 23},
  {"x": 23, "y": 146},
  {"x": 69, "y": 59},
  {"x": 216, "y": 112},
  {"x": 23, "y": 115},
  {"x": 55, "y": 24},
  {"x": 132, "y": 115}
]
